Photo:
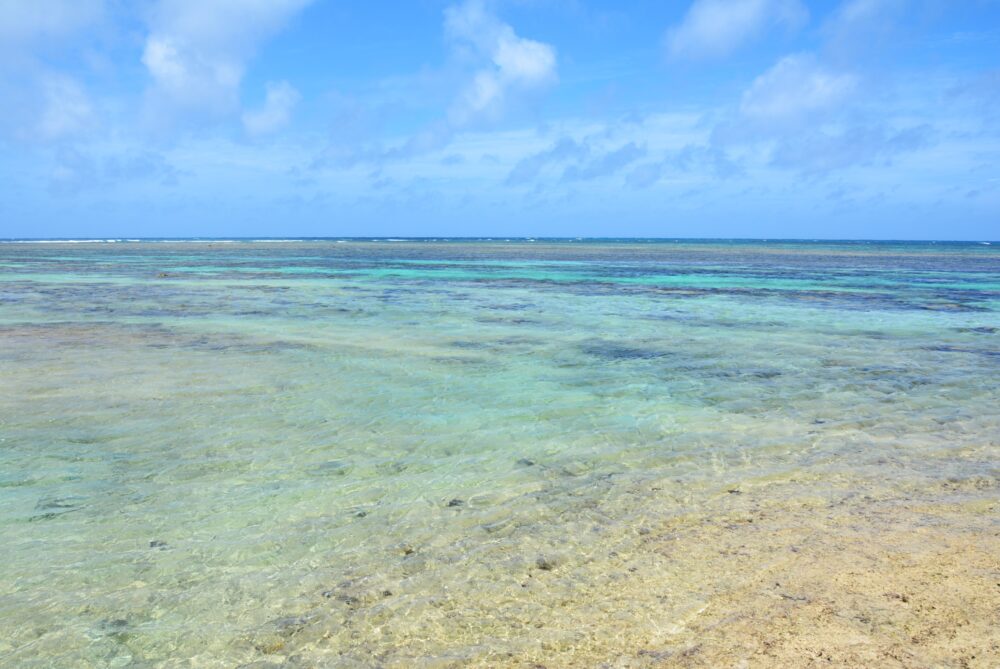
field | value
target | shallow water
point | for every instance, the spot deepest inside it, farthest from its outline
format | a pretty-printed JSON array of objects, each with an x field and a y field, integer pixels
[{"x": 358, "y": 453}]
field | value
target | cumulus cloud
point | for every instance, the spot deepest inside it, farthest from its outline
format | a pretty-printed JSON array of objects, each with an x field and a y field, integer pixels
[
  {"x": 861, "y": 23},
  {"x": 140, "y": 165},
  {"x": 715, "y": 28},
  {"x": 860, "y": 12},
  {"x": 809, "y": 112},
  {"x": 276, "y": 112},
  {"x": 605, "y": 164},
  {"x": 692, "y": 159},
  {"x": 645, "y": 174},
  {"x": 45, "y": 107},
  {"x": 708, "y": 158},
  {"x": 811, "y": 118},
  {"x": 42, "y": 103},
  {"x": 581, "y": 161},
  {"x": 515, "y": 64},
  {"x": 820, "y": 152},
  {"x": 529, "y": 168},
  {"x": 500, "y": 70},
  {"x": 796, "y": 86},
  {"x": 67, "y": 108},
  {"x": 197, "y": 52},
  {"x": 76, "y": 170}
]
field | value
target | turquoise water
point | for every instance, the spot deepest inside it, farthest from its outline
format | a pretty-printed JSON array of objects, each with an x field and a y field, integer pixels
[{"x": 354, "y": 453}]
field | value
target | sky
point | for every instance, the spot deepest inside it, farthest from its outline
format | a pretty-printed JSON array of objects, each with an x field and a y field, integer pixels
[{"x": 839, "y": 119}]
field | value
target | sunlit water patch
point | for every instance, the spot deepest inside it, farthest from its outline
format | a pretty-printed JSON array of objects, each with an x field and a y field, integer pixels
[{"x": 367, "y": 453}]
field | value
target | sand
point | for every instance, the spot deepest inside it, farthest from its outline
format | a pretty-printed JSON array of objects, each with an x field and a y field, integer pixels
[
  {"x": 781, "y": 577},
  {"x": 856, "y": 582}
]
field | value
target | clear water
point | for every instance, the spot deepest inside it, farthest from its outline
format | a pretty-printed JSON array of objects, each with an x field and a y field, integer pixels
[{"x": 357, "y": 453}]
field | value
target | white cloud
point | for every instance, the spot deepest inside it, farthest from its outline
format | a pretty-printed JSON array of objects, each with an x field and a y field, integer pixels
[
  {"x": 197, "y": 51},
  {"x": 100, "y": 169},
  {"x": 808, "y": 117},
  {"x": 67, "y": 108},
  {"x": 530, "y": 167},
  {"x": 501, "y": 70},
  {"x": 817, "y": 152},
  {"x": 714, "y": 28},
  {"x": 41, "y": 103},
  {"x": 809, "y": 112},
  {"x": 606, "y": 164},
  {"x": 860, "y": 12},
  {"x": 23, "y": 21},
  {"x": 188, "y": 79},
  {"x": 516, "y": 64},
  {"x": 48, "y": 107},
  {"x": 276, "y": 112},
  {"x": 861, "y": 24},
  {"x": 797, "y": 85}
]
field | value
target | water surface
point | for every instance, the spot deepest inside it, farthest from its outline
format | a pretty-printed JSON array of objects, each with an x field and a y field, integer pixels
[{"x": 362, "y": 453}]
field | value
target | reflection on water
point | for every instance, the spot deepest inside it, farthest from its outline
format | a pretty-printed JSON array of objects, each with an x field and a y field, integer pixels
[{"x": 416, "y": 453}]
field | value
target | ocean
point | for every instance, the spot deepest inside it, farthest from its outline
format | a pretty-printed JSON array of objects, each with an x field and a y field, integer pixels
[{"x": 503, "y": 452}]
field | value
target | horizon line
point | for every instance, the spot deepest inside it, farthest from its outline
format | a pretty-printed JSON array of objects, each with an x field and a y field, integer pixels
[{"x": 486, "y": 238}]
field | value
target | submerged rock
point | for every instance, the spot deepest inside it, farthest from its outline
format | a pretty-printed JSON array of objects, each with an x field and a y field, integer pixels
[
  {"x": 272, "y": 637},
  {"x": 613, "y": 351},
  {"x": 57, "y": 503},
  {"x": 53, "y": 507},
  {"x": 545, "y": 563},
  {"x": 574, "y": 469},
  {"x": 334, "y": 468}
]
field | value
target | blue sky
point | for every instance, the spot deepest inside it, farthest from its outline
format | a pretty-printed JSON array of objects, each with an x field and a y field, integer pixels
[{"x": 733, "y": 118}]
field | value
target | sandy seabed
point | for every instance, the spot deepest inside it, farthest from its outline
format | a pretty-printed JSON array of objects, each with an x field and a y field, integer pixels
[
  {"x": 861, "y": 583},
  {"x": 782, "y": 577}
]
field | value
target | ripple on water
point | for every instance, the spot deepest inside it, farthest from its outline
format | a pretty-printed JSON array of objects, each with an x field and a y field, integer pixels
[{"x": 318, "y": 453}]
